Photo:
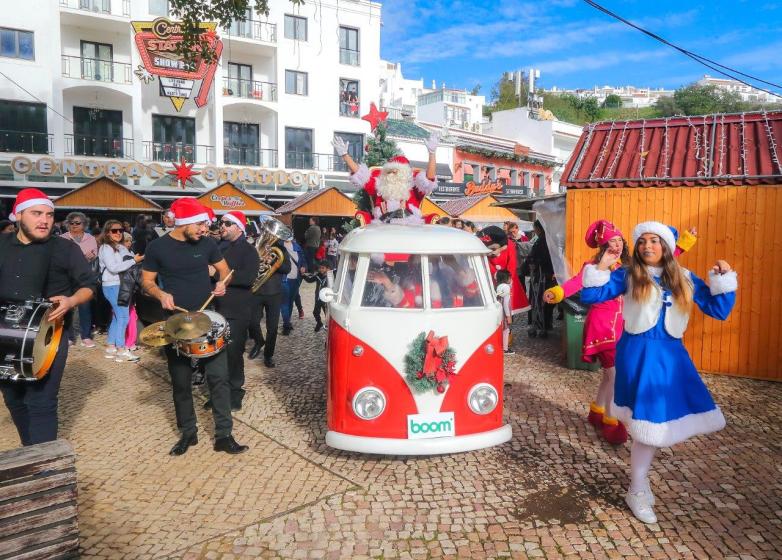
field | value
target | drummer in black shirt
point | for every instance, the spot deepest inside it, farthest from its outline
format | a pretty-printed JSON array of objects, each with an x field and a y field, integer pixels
[
  {"x": 182, "y": 259},
  {"x": 35, "y": 264}
]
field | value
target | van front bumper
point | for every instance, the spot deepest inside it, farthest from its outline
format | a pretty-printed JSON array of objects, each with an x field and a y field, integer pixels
[{"x": 430, "y": 446}]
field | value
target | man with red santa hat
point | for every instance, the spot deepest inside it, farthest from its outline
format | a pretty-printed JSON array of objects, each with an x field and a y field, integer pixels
[{"x": 396, "y": 190}]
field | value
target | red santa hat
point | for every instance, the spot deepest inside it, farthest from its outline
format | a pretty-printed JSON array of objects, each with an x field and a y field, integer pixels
[
  {"x": 187, "y": 210},
  {"x": 238, "y": 218},
  {"x": 600, "y": 232},
  {"x": 660, "y": 230},
  {"x": 400, "y": 159},
  {"x": 28, "y": 198}
]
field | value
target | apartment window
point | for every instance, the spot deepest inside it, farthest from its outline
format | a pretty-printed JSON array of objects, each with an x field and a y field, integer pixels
[
  {"x": 456, "y": 115},
  {"x": 295, "y": 28},
  {"x": 96, "y": 5},
  {"x": 296, "y": 82},
  {"x": 241, "y": 144},
  {"x": 173, "y": 138},
  {"x": 348, "y": 46},
  {"x": 158, "y": 7},
  {"x": 97, "y": 132},
  {"x": 96, "y": 61},
  {"x": 17, "y": 44},
  {"x": 240, "y": 78},
  {"x": 349, "y": 101},
  {"x": 298, "y": 148},
  {"x": 355, "y": 149},
  {"x": 23, "y": 127}
]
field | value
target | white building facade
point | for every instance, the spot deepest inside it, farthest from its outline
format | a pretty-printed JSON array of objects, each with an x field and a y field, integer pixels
[
  {"x": 631, "y": 96},
  {"x": 99, "y": 90},
  {"x": 747, "y": 93},
  {"x": 399, "y": 95}
]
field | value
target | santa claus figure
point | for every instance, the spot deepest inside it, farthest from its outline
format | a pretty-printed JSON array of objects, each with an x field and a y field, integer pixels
[
  {"x": 503, "y": 257},
  {"x": 396, "y": 190}
]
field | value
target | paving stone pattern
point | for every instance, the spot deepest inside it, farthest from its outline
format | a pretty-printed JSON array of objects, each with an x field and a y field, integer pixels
[{"x": 556, "y": 490}]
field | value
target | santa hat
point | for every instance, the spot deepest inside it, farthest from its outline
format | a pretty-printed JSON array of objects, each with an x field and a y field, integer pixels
[
  {"x": 400, "y": 159},
  {"x": 238, "y": 218},
  {"x": 187, "y": 210},
  {"x": 600, "y": 232},
  {"x": 28, "y": 198},
  {"x": 660, "y": 230}
]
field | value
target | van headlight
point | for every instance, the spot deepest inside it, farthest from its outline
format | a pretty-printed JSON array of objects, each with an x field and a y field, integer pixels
[
  {"x": 369, "y": 403},
  {"x": 483, "y": 398}
]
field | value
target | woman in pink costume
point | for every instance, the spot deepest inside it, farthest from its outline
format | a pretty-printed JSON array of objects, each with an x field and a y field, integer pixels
[{"x": 604, "y": 323}]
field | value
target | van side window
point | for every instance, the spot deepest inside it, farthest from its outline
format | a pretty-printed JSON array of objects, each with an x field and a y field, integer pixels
[
  {"x": 350, "y": 261},
  {"x": 394, "y": 280},
  {"x": 453, "y": 281}
]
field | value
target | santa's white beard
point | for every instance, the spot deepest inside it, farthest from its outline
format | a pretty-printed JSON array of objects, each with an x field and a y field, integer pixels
[{"x": 395, "y": 186}]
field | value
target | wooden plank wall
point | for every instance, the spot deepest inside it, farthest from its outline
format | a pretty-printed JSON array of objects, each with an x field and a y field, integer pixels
[
  {"x": 330, "y": 203},
  {"x": 105, "y": 193},
  {"x": 742, "y": 225},
  {"x": 38, "y": 502},
  {"x": 485, "y": 212}
]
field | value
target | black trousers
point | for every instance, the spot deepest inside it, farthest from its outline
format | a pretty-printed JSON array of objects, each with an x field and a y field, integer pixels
[
  {"x": 268, "y": 305},
  {"x": 309, "y": 252},
  {"x": 33, "y": 404},
  {"x": 235, "y": 354},
  {"x": 216, "y": 369},
  {"x": 319, "y": 306}
]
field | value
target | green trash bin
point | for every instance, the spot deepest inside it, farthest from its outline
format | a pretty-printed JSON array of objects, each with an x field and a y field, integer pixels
[{"x": 575, "y": 314}]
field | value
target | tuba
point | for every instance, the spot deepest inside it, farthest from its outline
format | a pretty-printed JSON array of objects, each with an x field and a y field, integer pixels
[{"x": 272, "y": 230}]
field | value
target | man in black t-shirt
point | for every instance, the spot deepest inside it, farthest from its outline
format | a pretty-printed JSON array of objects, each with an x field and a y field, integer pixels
[
  {"x": 182, "y": 259},
  {"x": 35, "y": 264}
]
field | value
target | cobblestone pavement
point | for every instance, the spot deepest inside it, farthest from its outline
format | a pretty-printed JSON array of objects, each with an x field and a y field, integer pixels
[{"x": 555, "y": 490}]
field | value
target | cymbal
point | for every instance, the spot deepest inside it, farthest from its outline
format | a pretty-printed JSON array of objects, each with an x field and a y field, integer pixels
[
  {"x": 153, "y": 335},
  {"x": 187, "y": 326}
]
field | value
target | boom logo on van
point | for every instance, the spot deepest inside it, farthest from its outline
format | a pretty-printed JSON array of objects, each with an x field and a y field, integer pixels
[{"x": 422, "y": 426}]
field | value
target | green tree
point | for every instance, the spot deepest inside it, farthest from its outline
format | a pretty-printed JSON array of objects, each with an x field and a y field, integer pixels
[
  {"x": 192, "y": 12},
  {"x": 612, "y": 101},
  {"x": 476, "y": 89},
  {"x": 666, "y": 107},
  {"x": 696, "y": 99},
  {"x": 590, "y": 108},
  {"x": 379, "y": 147},
  {"x": 503, "y": 95}
]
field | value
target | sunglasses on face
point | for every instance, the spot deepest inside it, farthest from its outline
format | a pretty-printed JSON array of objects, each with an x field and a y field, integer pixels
[
  {"x": 226, "y": 223},
  {"x": 117, "y": 230},
  {"x": 75, "y": 223}
]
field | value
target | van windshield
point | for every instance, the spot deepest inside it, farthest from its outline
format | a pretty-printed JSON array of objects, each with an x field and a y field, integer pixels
[
  {"x": 453, "y": 282},
  {"x": 393, "y": 280}
]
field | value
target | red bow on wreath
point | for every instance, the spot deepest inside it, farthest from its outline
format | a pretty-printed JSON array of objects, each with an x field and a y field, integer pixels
[{"x": 433, "y": 358}]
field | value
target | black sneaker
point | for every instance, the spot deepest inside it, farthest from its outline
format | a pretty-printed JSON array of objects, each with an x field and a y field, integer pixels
[{"x": 318, "y": 326}]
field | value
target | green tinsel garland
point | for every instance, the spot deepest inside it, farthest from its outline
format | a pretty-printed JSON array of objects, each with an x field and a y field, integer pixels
[
  {"x": 507, "y": 156},
  {"x": 414, "y": 364}
]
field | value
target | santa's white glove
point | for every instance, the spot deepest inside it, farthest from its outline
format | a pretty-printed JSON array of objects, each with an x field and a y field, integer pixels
[
  {"x": 432, "y": 142},
  {"x": 340, "y": 146}
]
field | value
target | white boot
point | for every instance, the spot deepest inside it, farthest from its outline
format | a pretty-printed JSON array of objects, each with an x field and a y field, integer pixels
[{"x": 640, "y": 504}]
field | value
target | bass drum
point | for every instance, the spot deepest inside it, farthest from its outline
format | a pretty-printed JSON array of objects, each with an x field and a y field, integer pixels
[{"x": 28, "y": 340}]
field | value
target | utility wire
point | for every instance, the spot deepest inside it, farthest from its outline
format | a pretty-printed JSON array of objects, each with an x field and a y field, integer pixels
[{"x": 709, "y": 63}]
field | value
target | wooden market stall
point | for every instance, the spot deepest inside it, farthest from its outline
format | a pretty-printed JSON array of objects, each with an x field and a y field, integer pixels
[
  {"x": 106, "y": 195},
  {"x": 719, "y": 173},
  {"x": 429, "y": 206},
  {"x": 330, "y": 205},
  {"x": 479, "y": 209},
  {"x": 228, "y": 196}
]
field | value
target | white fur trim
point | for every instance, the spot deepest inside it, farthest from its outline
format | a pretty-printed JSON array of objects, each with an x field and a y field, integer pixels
[
  {"x": 411, "y": 219},
  {"x": 594, "y": 277},
  {"x": 203, "y": 217},
  {"x": 394, "y": 181},
  {"x": 237, "y": 221},
  {"x": 657, "y": 228},
  {"x": 423, "y": 183},
  {"x": 361, "y": 176},
  {"x": 666, "y": 434},
  {"x": 723, "y": 283},
  {"x": 392, "y": 205}
]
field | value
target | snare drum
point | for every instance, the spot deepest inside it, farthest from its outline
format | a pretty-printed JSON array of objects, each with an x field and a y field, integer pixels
[
  {"x": 211, "y": 343},
  {"x": 28, "y": 340}
]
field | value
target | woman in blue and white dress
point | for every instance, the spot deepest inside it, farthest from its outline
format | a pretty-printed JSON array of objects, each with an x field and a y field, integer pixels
[{"x": 658, "y": 393}]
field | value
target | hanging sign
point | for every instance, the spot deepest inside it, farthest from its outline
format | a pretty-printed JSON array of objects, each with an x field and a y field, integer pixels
[
  {"x": 486, "y": 187},
  {"x": 157, "y": 42}
]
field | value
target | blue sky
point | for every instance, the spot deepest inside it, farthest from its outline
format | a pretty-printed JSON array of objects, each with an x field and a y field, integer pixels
[{"x": 464, "y": 43}]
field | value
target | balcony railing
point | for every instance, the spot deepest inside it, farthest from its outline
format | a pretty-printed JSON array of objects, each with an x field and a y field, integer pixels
[
  {"x": 249, "y": 89},
  {"x": 96, "y": 69},
  {"x": 98, "y": 146},
  {"x": 347, "y": 56},
  {"x": 256, "y": 30},
  {"x": 107, "y": 7},
  {"x": 26, "y": 142},
  {"x": 254, "y": 157},
  {"x": 192, "y": 153},
  {"x": 314, "y": 161}
]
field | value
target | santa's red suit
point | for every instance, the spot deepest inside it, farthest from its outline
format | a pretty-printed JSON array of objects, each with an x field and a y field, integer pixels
[
  {"x": 387, "y": 195},
  {"x": 506, "y": 260}
]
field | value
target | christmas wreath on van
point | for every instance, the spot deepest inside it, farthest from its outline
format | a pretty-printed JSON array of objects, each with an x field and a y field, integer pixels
[{"x": 430, "y": 363}]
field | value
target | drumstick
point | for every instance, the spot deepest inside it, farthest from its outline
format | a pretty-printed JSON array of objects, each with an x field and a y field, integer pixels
[
  {"x": 211, "y": 297},
  {"x": 182, "y": 309}
]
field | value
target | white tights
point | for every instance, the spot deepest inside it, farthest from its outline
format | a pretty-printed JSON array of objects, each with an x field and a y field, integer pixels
[
  {"x": 605, "y": 392},
  {"x": 641, "y": 457}
]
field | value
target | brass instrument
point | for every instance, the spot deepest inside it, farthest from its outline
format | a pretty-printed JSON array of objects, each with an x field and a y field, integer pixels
[{"x": 272, "y": 230}]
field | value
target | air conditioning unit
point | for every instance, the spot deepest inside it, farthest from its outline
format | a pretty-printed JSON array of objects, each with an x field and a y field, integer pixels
[{"x": 465, "y": 125}]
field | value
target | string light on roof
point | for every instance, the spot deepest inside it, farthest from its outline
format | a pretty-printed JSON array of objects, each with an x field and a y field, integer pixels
[
  {"x": 743, "y": 133},
  {"x": 697, "y": 140},
  {"x": 603, "y": 149},
  {"x": 617, "y": 152},
  {"x": 666, "y": 150},
  {"x": 642, "y": 152},
  {"x": 587, "y": 142},
  {"x": 771, "y": 141},
  {"x": 705, "y": 159},
  {"x": 723, "y": 135}
]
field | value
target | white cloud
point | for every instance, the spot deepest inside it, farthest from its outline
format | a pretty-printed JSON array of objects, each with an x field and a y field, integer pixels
[{"x": 598, "y": 60}]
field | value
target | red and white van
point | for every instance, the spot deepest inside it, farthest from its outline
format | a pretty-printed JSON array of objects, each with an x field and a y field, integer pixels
[{"x": 415, "y": 362}]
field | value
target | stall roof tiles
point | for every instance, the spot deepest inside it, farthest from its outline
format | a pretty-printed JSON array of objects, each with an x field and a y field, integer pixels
[
  {"x": 459, "y": 206},
  {"x": 719, "y": 149}
]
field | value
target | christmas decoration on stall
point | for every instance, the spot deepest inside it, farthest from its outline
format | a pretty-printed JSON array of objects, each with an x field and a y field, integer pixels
[
  {"x": 183, "y": 173},
  {"x": 430, "y": 363},
  {"x": 506, "y": 156}
]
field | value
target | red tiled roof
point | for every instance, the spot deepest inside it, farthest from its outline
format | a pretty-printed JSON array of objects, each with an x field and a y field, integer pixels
[
  {"x": 459, "y": 206},
  {"x": 740, "y": 149}
]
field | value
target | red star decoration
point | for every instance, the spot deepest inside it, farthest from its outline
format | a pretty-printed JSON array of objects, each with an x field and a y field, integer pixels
[
  {"x": 210, "y": 36},
  {"x": 183, "y": 173},
  {"x": 375, "y": 117}
]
